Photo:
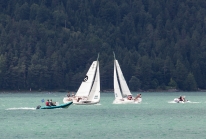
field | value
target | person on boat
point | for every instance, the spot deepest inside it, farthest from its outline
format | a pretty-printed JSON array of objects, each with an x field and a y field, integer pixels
[
  {"x": 52, "y": 103},
  {"x": 79, "y": 98},
  {"x": 47, "y": 103},
  {"x": 138, "y": 96},
  {"x": 129, "y": 97},
  {"x": 181, "y": 98},
  {"x": 68, "y": 95}
]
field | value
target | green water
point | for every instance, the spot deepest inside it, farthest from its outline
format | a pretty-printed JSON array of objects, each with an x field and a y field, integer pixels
[{"x": 156, "y": 117}]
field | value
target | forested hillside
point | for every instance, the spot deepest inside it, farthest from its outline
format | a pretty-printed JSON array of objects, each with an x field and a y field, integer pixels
[{"x": 50, "y": 44}]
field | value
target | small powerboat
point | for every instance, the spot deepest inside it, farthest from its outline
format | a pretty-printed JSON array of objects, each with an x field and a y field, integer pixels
[
  {"x": 55, "y": 107},
  {"x": 181, "y": 99}
]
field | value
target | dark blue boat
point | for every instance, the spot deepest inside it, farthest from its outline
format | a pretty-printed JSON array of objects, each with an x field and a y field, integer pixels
[{"x": 55, "y": 107}]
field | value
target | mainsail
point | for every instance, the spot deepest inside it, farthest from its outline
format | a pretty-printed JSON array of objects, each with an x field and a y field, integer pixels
[
  {"x": 117, "y": 91},
  {"x": 123, "y": 83},
  {"x": 95, "y": 91},
  {"x": 86, "y": 84}
]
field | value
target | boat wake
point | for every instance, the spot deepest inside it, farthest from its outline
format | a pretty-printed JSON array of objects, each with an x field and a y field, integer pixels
[
  {"x": 172, "y": 102},
  {"x": 21, "y": 108},
  {"x": 184, "y": 102},
  {"x": 193, "y": 102}
]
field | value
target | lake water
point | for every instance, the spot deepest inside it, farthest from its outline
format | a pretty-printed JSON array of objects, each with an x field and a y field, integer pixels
[{"x": 155, "y": 118}]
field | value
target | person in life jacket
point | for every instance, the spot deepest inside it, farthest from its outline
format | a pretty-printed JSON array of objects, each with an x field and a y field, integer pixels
[{"x": 47, "y": 103}]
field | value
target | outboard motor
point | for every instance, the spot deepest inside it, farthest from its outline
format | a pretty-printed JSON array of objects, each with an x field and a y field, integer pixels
[{"x": 38, "y": 107}]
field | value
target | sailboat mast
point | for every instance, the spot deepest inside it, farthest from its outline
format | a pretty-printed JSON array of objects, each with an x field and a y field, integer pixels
[
  {"x": 114, "y": 55},
  {"x": 98, "y": 57}
]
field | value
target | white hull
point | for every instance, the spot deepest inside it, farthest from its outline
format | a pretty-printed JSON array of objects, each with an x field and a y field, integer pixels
[
  {"x": 85, "y": 103},
  {"x": 81, "y": 101},
  {"x": 126, "y": 101}
]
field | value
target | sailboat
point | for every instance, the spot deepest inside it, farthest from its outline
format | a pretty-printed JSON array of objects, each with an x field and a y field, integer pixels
[
  {"x": 89, "y": 90},
  {"x": 121, "y": 90}
]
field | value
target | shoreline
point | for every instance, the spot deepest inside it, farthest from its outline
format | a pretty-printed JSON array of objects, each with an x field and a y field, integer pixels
[{"x": 103, "y": 91}]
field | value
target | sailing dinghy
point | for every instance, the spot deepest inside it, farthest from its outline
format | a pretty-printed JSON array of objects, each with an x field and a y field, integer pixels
[
  {"x": 121, "y": 90},
  {"x": 89, "y": 90}
]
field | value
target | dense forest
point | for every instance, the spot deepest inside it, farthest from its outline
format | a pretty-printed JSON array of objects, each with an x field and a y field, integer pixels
[{"x": 50, "y": 44}]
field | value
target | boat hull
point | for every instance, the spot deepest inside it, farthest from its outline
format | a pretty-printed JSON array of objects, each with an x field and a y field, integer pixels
[
  {"x": 126, "y": 101},
  {"x": 176, "y": 100},
  {"x": 56, "y": 107},
  {"x": 85, "y": 103},
  {"x": 81, "y": 102}
]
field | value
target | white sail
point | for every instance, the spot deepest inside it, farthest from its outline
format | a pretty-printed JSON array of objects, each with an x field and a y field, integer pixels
[
  {"x": 86, "y": 84},
  {"x": 94, "y": 95},
  {"x": 117, "y": 91},
  {"x": 124, "y": 88}
]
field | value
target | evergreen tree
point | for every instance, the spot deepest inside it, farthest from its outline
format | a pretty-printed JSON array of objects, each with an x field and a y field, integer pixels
[
  {"x": 190, "y": 83},
  {"x": 134, "y": 84}
]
